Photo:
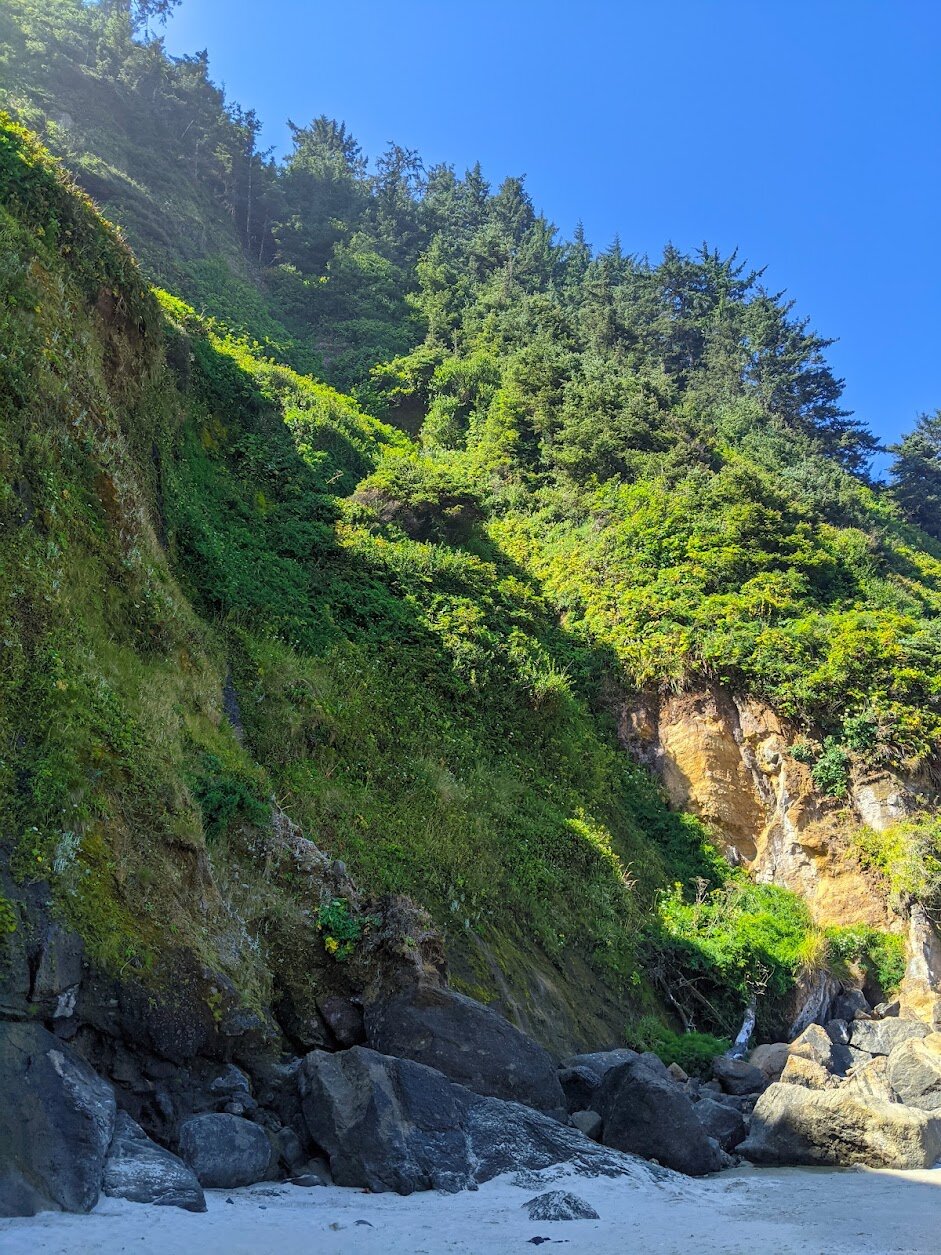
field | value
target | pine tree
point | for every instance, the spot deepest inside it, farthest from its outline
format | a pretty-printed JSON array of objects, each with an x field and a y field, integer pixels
[{"x": 916, "y": 474}]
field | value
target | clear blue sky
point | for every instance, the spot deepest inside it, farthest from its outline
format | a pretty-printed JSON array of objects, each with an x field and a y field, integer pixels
[{"x": 805, "y": 132}]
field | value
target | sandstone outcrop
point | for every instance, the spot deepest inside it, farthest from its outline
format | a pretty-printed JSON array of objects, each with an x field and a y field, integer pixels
[{"x": 727, "y": 758}]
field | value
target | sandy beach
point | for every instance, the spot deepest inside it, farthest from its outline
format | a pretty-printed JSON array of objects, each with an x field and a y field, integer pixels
[{"x": 785, "y": 1211}]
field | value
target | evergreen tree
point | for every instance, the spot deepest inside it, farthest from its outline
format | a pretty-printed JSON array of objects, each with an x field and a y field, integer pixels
[
  {"x": 325, "y": 192},
  {"x": 916, "y": 474}
]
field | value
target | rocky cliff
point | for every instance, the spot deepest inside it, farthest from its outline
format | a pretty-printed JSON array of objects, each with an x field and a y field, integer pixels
[{"x": 730, "y": 760}]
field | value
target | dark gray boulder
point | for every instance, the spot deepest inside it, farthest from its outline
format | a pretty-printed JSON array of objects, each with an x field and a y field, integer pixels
[
  {"x": 344, "y": 1018},
  {"x": 581, "y": 1075},
  {"x": 600, "y": 1062},
  {"x": 56, "y": 1123},
  {"x": 392, "y": 1124},
  {"x": 230, "y": 1083},
  {"x": 736, "y": 1076},
  {"x": 885, "y": 1009},
  {"x": 143, "y": 1172},
  {"x": 880, "y": 1037},
  {"x": 385, "y": 1124},
  {"x": 225, "y": 1151},
  {"x": 470, "y": 1043},
  {"x": 838, "y": 1031},
  {"x": 559, "y": 1205},
  {"x": 508, "y": 1137},
  {"x": 646, "y": 1113},
  {"x": 913, "y": 1070},
  {"x": 579, "y": 1085},
  {"x": 291, "y": 1151},
  {"x": 587, "y": 1122},
  {"x": 848, "y": 1003},
  {"x": 316, "y": 1175},
  {"x": 722, "y": 1122}
]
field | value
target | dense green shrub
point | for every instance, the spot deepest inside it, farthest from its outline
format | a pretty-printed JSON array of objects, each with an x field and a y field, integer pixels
[
  {"x": 908, "y": 856},
  {"x": 227, "y": 797},
  {"x": 830, "y": 772},
  {"x": 880, "y": 956},
  {"x": 9, "y": 921},
  {"x": 693, "y": 1051},
  {"x": 717, "y": 950}
]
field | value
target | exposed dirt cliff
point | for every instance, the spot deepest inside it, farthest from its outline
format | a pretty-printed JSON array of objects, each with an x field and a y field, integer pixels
[{"x": 728, "y": 759}]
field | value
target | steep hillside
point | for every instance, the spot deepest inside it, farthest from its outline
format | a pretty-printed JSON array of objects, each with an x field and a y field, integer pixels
[
  {"x": 576, "y": 620},
  {"x": 203, "y": 634}
]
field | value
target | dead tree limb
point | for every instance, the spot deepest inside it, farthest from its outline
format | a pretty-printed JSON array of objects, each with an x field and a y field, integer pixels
[{"x": 740, "y": 1045}]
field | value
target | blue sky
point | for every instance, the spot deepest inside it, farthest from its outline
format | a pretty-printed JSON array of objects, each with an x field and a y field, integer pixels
[{"x": 805, "y": 132}]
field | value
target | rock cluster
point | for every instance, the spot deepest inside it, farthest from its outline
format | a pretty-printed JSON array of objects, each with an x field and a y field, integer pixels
[
  {"x": 633, "y": 1103},
  {"x": 864, "y": 1091},
  {"x": 359, "y": 1117},
  {"x": 424, "y": 1088}
]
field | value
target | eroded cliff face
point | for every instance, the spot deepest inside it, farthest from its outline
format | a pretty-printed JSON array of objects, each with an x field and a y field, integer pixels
[{"x": 726, "y": 759}]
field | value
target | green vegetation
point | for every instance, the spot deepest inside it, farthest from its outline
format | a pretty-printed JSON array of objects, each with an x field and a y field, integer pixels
[
  {"x": 726, "y": 947},
  {"x": 743, "y": 942},
  {"x": 8, "y": 916},
  {"x": 908, "y": 856},
  {"x": 878, "y": 957},
  {"x": 341, "y": 930},
  {"x": 694, "y": 1052},
  {"x": 916, "y": 474},
  {"x": 226, "y": 797},
  {"x": 521, "y": 482}
]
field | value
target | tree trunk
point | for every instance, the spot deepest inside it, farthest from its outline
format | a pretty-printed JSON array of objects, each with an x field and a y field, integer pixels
[{"x": 740, "y": 1045}]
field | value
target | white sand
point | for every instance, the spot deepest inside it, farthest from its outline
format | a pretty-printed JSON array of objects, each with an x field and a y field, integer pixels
[{"x": 784, "y": 1212}]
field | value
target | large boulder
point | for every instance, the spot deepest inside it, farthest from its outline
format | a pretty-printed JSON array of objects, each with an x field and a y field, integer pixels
[
  {"x": 143, "y": 1172},
  {"x": 869, "y": 1081},
  {"x": 914, "y": 1072},
  {"x": 582, "y": 1075},
  {"x": 770, "y": 1059},
  {"x": 849, "y": 1004},
  {"x": 816, "y": 1045},
  {"x": 736, "y": 1076},
  {"x": 470, "y": 1043},
  {"x": 602, "y": 1061},
  {"x": 508, "y": 1137},
  {"x": 225, "y": 1151},
  {"x": 800, "y": 1070},
  {"x": 385, "y": 1124},
  {"x": 56, "y": 1123},
  {"x": 392, "y": 1124},
  {"x": 647, "y": 1114},
  {"x": 880, "y": 1037},
  {"x": 837, "y": 1127},
  {"x": 722, "y": 1122}
]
